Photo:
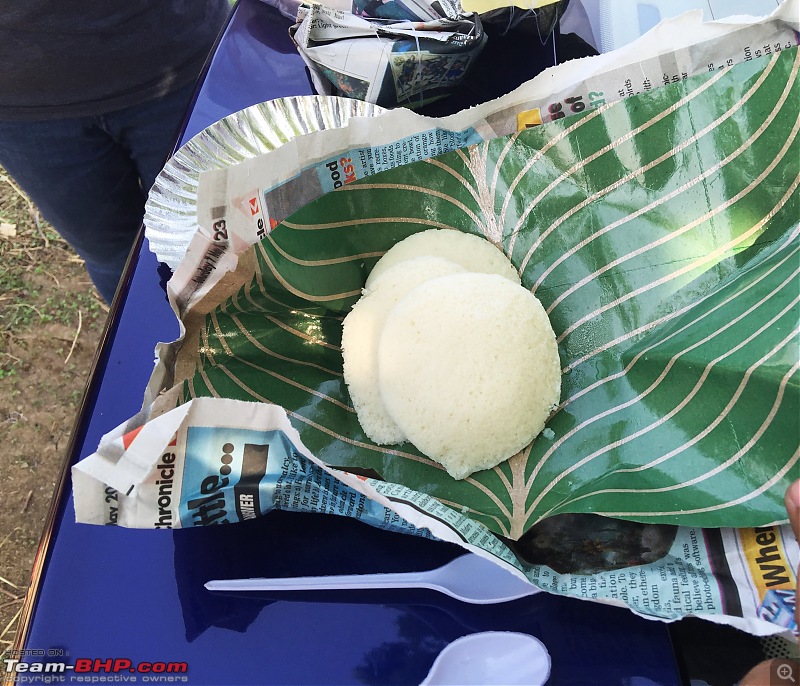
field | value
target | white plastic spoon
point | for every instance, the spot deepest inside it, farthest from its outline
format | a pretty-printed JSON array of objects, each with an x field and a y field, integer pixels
[
  {"x": 491, "y": 658},
  {"x": 469, "y": 578}
]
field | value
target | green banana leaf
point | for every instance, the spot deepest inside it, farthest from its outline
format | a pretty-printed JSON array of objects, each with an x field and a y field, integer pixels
[{"x": 659, "y": 232}]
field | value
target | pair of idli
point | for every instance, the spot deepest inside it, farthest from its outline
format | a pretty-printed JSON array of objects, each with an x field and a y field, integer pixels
[{"x": 448, "y": 351}]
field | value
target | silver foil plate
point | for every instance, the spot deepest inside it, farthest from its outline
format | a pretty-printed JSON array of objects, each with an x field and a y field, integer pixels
[{"x": 171, "y": 210}]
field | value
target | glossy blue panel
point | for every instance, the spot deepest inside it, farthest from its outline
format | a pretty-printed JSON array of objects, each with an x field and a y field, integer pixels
[
  {"x": 116, "y": 593},
  {"x": 256, "y": 61},
  {"x": 140, "y": 595}
]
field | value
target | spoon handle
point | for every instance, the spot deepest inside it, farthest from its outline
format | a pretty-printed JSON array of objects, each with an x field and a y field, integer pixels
[{"x": 320, "y": 583}]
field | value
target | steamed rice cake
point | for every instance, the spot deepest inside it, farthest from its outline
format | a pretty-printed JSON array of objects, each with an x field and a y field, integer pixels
[
  {"x": 468, "y": 369},
  {"x": 360, "y": 333},
  {"x": 472, "y": 252}
]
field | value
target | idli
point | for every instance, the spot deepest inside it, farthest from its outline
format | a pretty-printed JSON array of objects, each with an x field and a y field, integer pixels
[
  {"x": 468, "y": 369},
  {"x": 360, "y": 333},
  {"x": 474, "y": 253}
]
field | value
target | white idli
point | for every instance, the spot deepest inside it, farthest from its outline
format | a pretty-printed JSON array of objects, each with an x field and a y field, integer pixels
[
  {"x": 468, "y": 369},
  {"x": 361, "y": 331},
  {"x": 474, "y": 253}
]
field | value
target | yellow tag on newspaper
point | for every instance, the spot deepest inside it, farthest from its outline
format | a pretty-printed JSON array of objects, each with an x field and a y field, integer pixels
[
  {"x": 528, "y": 119},
  {"x": 481, "y": 6},
  {"x": 769, "y": 565}
]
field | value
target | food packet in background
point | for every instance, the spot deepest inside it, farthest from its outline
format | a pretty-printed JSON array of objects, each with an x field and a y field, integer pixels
[{"x": 398, "y": 52}]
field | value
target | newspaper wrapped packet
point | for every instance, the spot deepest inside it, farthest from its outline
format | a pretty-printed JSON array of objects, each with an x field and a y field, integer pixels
[
  {"x": 742, "y": 577},
  {"x": 659, "y": 245},
  {"x": 209, "y": 462},
  {"x": 397, "y": 52}
]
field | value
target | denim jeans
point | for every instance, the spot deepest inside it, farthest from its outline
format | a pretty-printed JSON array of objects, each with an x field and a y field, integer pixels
[{"x": 89, "y": 176}]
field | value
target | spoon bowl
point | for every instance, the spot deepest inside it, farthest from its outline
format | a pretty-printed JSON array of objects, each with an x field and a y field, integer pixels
[{"x": 491, "y": 658}]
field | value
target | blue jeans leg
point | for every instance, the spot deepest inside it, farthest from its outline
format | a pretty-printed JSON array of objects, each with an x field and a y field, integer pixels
[
  {"x": 89, "y": 176},
  {"x": 148, "y": 132}
]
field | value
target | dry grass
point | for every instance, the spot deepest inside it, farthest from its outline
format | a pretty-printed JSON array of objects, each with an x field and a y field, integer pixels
[{"x": 50, "y": 322}]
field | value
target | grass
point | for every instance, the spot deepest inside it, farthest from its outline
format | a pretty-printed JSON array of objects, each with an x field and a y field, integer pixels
[{"x": 50, "y": 322}]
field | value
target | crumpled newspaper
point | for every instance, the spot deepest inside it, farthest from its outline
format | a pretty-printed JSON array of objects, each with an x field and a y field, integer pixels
[{"x": 390, "y": 52}]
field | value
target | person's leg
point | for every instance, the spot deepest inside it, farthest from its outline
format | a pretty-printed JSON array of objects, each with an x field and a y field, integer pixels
[
  {"x": 84, "y": 184},
  {"x": 90, "y": 176},
  {"x": 149, "y": 131}
]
